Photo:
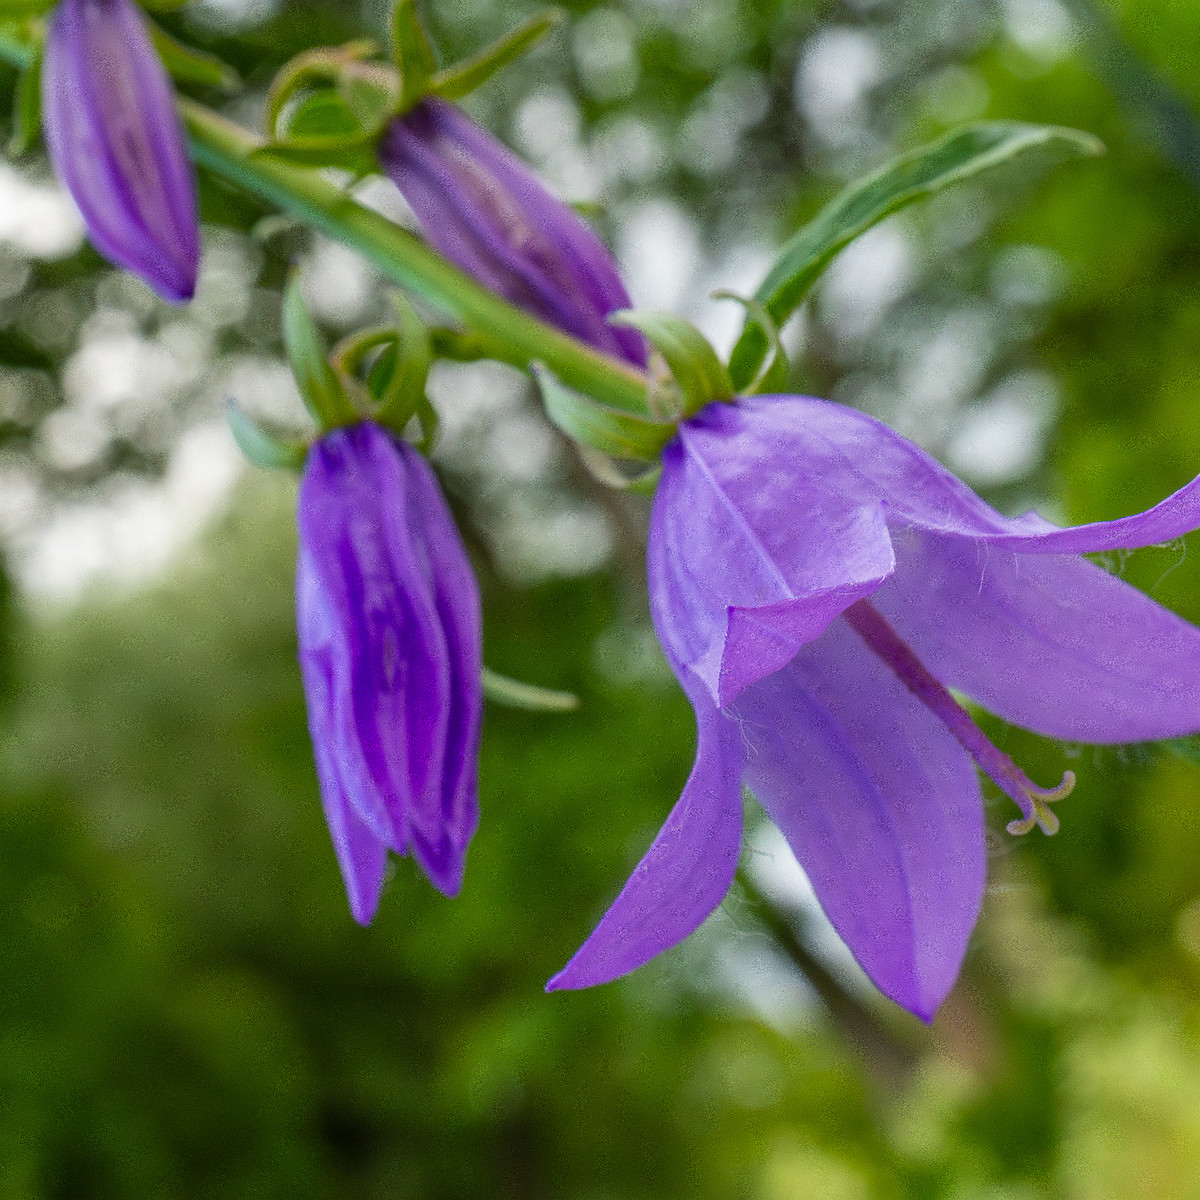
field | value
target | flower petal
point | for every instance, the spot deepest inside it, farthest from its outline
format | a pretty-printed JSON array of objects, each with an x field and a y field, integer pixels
[
  {"x": 487, "y": 212},
  {"x": 881, "y": 807},
  {"x": 116, "y": 141},
  {"x": 685, "y": 873},
  {"x": 361, "y": 855},
  {"x": 1049, "y": 642},
  {"x": 746, "y": 561},
  {"x": 447, "y": 809}
]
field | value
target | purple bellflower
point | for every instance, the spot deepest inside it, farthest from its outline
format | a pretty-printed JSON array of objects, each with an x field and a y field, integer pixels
[
  {"x": 486, "y": 211},
  {"x": 388, "y": 620},
  {"x": 818, "y": 583},
  {"x": 116, "y": 142}
]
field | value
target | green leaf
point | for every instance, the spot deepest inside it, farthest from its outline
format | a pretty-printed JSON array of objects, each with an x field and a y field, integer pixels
[
  {"x": 27, "y": 109},
  {"x": 466, "y": 76},
  {"x": 609, "y": 430},
  {"x": 911, "y": 177},
  {"x": 513, "y": 693},
  {"x": 694, "y": 364},
  {"x": 322, "y": 392},
  {"x": 414, "y": 53},
  {"x": 261, "y": 448},
  {"x": 187, "y": 65}
]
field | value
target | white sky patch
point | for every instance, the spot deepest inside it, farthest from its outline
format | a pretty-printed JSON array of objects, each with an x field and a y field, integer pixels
[
  {"x": 130, "y": 536},
  {"x": 837, "y": 70},
  {"x": 658, "y": 247},
  {"x": 1001, "y": 438},
  {"x": 37, "y": 218},
  {"x": 865, "y": 280}
]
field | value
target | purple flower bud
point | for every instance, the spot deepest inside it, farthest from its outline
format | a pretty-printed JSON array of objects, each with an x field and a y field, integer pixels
[
  {"x": 388, "y": 621},
  {"x": 116, "y": 142},
  {"x": 483, "y": 208}
]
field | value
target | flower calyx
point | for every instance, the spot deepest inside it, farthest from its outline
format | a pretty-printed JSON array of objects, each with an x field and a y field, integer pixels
[
  {"x": 605, "y": 431},
  {"x": 690, "y": 374}
]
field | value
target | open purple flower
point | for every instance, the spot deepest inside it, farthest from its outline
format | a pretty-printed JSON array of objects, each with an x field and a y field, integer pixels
[
  {"x": 116, "y": 142},
  {"x": 486, "y": 211},
  {"x": 388, "y": 620},
  {"x": 817, "y": 583}
]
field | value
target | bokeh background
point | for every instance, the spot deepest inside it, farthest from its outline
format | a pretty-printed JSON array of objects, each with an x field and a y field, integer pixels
[{"x": 186, "y": 1008}]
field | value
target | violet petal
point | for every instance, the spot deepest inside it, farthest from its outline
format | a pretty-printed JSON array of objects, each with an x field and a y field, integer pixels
[
  {"x": 685, "y": 873},
  {"x": 748, "y": 562},
  {"x": 880, "y": 805},
  {"x": 1049, "y": 642},
  {"x": 116, "y": 141}
]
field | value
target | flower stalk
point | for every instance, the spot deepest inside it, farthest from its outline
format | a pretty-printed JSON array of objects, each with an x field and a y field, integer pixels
[{"x": 230, "y": 152}]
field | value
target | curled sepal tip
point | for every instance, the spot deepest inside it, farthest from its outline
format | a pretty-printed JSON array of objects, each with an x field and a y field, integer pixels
[
  {"x": 698, "y": 373},
  {"x": 464, "y": 77},
  {"x": 260, "y": 447}
]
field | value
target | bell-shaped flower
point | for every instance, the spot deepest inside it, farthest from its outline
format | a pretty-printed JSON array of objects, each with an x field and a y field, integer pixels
[
  {"x": 818, "y": 584},
  {"x": 116, "y": 142},
  {"x": 389, "y": 630},
  {"x": 486, "y": 211}
]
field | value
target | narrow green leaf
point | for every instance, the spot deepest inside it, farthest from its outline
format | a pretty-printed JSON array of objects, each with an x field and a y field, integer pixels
[
  {"x": 467, "y": 75},
  {"x": 260, "y": 447},
  {"x": 513, "y": 693},
  {"x": 414, "y": 53},
  {"x": 609, "y": 430},
  {"x": 694, "y": 364},
  {"x": 188, "y": 65},
  {"x": 911, "y": 177},
  {"x": 27, "y": 109},
  {"x": 320, "y": 389}
]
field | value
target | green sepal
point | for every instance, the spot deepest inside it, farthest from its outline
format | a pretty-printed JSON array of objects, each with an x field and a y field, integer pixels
[
  {"x": 605, "y": 470},
  {"x": 414, "y": 53},
  {"x": 773, "y": 373},
  {"x": 262, "y": 448},
  {"x": 694, "y": 365},
  {"x": 395, "y": 380},
  {"x": 466, "y": 76},
  {"x": 911, "y": 177},
  {"x": 322, "y": 392},
  {"x": 187, "y": 65},
  {"x": 609, "y": 430},
  {"x": 513, "y": 693},
  {"x": 27, "y": 108},
  {"x": 328, "y": 107}
]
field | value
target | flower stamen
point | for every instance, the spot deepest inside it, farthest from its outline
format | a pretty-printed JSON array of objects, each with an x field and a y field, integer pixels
[{"x": 1033, "y": 801}]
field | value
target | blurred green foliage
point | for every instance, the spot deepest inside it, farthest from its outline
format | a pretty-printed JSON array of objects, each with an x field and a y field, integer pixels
[{"x": 187, "y": 1009}]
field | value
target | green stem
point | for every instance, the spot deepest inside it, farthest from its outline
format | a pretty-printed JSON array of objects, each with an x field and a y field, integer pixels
[{"x": 229, "y": 151}]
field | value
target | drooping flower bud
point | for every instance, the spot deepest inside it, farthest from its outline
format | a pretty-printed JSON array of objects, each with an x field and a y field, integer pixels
[
  {"x": 486, "y": 211},
  {"x": 389, "y": 630},
  {"x": 117, "y": 144}
]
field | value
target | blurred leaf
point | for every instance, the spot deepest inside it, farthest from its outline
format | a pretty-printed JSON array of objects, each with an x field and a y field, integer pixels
[
  {"x": 911, "y": 177},
  {"x": 465, "y": 76},
  {"x": 189, "y": 65},
  {"x": 513, "y": 693}
]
